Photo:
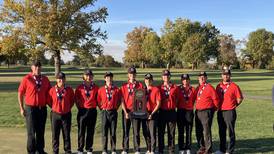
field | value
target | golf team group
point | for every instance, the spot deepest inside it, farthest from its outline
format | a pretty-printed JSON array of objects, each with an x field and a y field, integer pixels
[{"x": 168, "y": 106}]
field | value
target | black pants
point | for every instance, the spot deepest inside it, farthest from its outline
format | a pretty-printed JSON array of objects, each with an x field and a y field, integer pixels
[
  {"x": 136, "y": 123},
  {"x": 167, "y": 118},
  {"x": 109, "y": 124},
  {"x": 35, "y": 122},
  {"x": 203, "y": 122},
  {"x": 227, "y": 120},
  {"x": 86, "y": 120},
  {"x": 152, "y": 129},
  {"x": 126, "y": 124},
  {"x": 185, "y": 123},
  {"x": 61, "y": 122}
]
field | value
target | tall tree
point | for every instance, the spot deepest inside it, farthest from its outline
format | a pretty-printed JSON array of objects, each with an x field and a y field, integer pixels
[
  {"x": 56, "y": 25},
  {"x": 260, "y": 47},
  {"x": 134, "y": 54},
  {"x": 227, "y": 54}
]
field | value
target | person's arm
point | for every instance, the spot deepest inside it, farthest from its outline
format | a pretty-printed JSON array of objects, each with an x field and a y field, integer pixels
[
  {"x": 239, "y": 96},
  {"x": 215, "y": 98},
  {"x": 21, "y": 104},
  {"x": 124, "y": 108}
]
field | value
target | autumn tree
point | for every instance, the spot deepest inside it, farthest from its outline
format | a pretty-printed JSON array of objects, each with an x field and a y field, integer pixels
[{"x": 55, "y": 25}]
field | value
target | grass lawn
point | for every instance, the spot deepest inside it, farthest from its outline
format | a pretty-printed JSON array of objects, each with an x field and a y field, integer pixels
[{"x": 254, "y": 131}]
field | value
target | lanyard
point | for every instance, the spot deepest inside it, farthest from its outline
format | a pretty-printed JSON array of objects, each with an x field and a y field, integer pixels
[
  {"x": 130, "y": 91},
  {"x": 88, "y": 89},
  {"x": 60, "y": 93},
  {"x": 38, "y": 81},
  {"x": 201, "y": 91},
  {"x": 109, "y": 92},
  {"x": 167, "y": 90},
  {"x": 226, "y": 88},
  {"x": 187, "y": 93}
]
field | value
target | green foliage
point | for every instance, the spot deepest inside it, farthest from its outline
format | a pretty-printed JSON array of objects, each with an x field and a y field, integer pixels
[{"x": 260, "y": 47}]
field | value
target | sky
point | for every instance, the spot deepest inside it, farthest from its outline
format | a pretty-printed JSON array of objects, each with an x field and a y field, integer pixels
[{"x": 236, "y": 17}]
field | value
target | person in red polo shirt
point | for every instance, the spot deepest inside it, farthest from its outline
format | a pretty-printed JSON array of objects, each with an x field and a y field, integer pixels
[
  {"x": 153, "y": 96},
  {"x": 127, "y": 91},
  {"x": 185, "y": 114},
  {"x": 61, "y": 101},
  {"x": 206, "y": 104},
  {"x": 230, "y": 97},
  {"x": 167, "y": 113},
  {"x": 86, "y": 102},
  {"x": 109, "y": 98},
  {"x": 33, "y": 90}
]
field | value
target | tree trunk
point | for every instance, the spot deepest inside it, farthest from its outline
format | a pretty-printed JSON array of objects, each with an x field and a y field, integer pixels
[
  {"x": 57, "y": 61},
  {"x": 168, "y": 65},
  {"x": 192, "y": 66},
  {"x": 8, "y": 63}
]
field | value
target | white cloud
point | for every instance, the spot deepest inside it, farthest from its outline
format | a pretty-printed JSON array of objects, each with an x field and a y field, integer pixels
[{"x": 115, "y": 48}]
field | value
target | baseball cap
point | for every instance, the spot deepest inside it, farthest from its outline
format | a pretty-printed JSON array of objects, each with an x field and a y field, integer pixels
[
  {"x": 131, "y": 70},
  {"x": 185, "y": 77},
  {"x": 202, "y": 73},
  {"x": 61, "y": 75},
  {"x": 108, "y": 74},
  {"x": 166, "y": 73},
  {"x": 149, "y": 76},
  {"x": 88, "y": 72},
  {"x": 36, "y": 63},
  {"x": 226, "y": 72}
]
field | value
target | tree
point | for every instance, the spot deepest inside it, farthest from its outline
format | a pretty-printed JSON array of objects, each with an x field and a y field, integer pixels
[
  {"x": 56, "y": 26},
  {"x": 227, "y": 55},
  {"x": 260, "y": 47},
  {"x": 106, "y": 61},
  {"x": 134, "y": 54},
  {"x": 12, "y": 48}
]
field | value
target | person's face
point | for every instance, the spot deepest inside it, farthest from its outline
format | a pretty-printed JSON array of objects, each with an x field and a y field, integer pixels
[
  {"x": 166, "y": 78},
  {"x": 185, "y": 81},
  {"x": 109, "y": 79},
  {"x": 131, "y": 76},
  {"x": 202, "y": 79},
  {"x": 36, "y": 70},
  {"x": 88, "y": 77},
  {"x": 226, "y": 77},
  {"x": 148, "y": 82},
  {"x": 61, "y": 82}
]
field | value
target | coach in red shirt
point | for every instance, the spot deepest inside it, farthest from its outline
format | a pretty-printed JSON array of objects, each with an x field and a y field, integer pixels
[
  {"x": 86, "y": 102},
  {"x": 206, "y": 104},
  {"x": 167, "y": 113},
  {"x": 153, "y": 96},
  {"x": 185, "y": 114},
  {"x": 127, "y": 99},
  {"x": 61, "y": 101},
  {"x": 230, "y": 97},
  {"x": 33, "y": 90},
  {"x": 109, "y": 98}
]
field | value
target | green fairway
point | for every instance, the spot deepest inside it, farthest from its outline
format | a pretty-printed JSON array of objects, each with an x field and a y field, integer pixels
[{"x": 254, "y": 127}]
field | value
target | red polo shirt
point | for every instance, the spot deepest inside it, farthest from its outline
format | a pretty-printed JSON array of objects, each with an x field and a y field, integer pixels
[
  {"x": 169, "y": 102},
  {"x": 228, "y": 101},
  {"x": 82, "y": 101},
  {"x": 208, "y": 99},
  {"x": 154, "y": 95},
  {"x": 103, "y": 101},
  {"x": 64, "y": 106},
  {"x": 128, "y": 98},
  {"x": 189, "y": 92},
  {"x": 34, "y": 96}
]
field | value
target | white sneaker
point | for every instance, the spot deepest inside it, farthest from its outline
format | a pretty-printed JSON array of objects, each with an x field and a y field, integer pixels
[
  {"x": 227, "y": 153},
  {"x": 148, "y": 152},
  {"x": 181, "y": 152},
  {"x": 137, "y": 152},
  {"x": 124, "y": 152},
  {"x": 152, "y": 153},
  {"x": 113, "y": 152},
  {"x": 79, "y": 152},
  {"x": 188, "y": 152},
  {"x": 219, "y": 152},
  {"x": 89, "y": 152},
  {"x": 104, "y": 152}
]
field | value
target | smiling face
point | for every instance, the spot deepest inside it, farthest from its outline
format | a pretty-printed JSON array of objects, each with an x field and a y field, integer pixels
[
  {"x": 185, "y": 82},
  {"x": 148, "y": 82},
  {"x": 202, "y": 79},
  {"x": 88, "y": 77},
  {"x": 36, "y": 70},
  {"x": 108, "y": 79},
  {"x": 61, "y": 82},
  {"x": 166, "y": 78},
  {"x": 131, "y": 76},
  {"x": 226, "y": 77}
]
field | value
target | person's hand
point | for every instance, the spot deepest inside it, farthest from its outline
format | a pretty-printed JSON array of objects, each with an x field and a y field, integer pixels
[
  {"x": 23, "y": 112},
  {"x": 127, "y": 116},
  {"x": 150, "y": 117}
]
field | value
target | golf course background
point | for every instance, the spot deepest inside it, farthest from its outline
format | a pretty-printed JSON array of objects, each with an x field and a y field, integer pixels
[{"x": 254, "y": 126}]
